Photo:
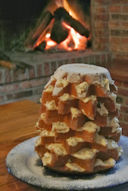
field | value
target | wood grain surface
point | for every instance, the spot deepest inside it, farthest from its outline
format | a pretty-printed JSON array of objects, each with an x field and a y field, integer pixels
[{"x": 17, "y": 122}]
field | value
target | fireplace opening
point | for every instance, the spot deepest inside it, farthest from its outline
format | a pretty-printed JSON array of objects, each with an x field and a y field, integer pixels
[
  {"x": 45, "y": 25},
  {"x": 63, "y": 25}
]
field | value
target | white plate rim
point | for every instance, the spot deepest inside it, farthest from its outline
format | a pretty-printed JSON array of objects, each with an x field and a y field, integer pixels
[{"x": 17, "y": 164}]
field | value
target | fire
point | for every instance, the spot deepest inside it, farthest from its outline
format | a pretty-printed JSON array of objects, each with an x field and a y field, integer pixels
[
  {"x": 78, "y": 40},
  {"x": 68, "y": 8},
  {"x": 49, "y": 43},
  {"x": 75, "y": 13},
  {"x": 74, "y": 41}
]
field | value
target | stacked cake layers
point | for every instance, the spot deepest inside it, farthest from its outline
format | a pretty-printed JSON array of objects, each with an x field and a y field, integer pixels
[{"x": 79, "y": 127}]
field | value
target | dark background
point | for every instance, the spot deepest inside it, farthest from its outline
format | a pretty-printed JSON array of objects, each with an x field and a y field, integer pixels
[
  {"x": 21, "y": 9},
  {"x": 28, "y": 9}
]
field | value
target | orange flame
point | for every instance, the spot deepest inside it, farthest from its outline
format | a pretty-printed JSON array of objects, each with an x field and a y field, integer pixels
[
  {"x": 78, "y": 40},
  {"x": 69, "y": 9},
  {"x": 74, "y": 41},
  {"x": 49, "y": 42}
]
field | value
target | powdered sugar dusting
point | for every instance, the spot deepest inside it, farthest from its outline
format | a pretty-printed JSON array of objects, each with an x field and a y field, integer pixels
[
  {"x": 74, "y": 72},
  {"x": 83, "y": 69},
  {"x": 24, "y": 163}
]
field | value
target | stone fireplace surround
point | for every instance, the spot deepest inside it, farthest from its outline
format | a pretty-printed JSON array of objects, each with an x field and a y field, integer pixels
[{"x": 109, "y": 23}]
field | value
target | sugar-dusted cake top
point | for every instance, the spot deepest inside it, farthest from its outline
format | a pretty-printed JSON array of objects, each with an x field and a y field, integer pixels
[
  {"x": 79, "y": 68},
  {"x": 75, "y": 72}
]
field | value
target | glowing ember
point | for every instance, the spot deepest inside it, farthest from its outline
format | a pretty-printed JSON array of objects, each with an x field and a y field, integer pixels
[
  {"x": 74, "y": 41},
  {"x": 78, "y": 40},
  {"x": 49, "y": 43},
  {"x": 48, "y": 35}
]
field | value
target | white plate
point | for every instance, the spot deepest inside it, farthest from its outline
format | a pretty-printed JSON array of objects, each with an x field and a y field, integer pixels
[{"x": 24, "y": 163}]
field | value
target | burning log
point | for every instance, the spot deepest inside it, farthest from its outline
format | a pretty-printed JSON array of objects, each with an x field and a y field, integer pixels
[
  {"x": 41, "y": 25},
  {"x": 41, "y": 47},
  {"x": 52, "y": 30},
  {"x": 42, "y": 36},
  {"x": 63, "y": 15},
  {"x": 59, "y": 32}
]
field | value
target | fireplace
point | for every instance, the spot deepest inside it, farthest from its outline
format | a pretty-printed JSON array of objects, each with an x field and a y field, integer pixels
[
  {"x": 28, "y": 65},
  {"x": 63, "y": 25},
  {"x": 60, "y": 23}
]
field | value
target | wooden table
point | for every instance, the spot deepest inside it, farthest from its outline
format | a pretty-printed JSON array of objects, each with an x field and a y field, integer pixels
[{"x": 17, "y": 122}]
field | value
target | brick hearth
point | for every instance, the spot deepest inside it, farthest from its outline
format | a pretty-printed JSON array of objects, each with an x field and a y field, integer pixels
[{"x": 28, "y": 83}]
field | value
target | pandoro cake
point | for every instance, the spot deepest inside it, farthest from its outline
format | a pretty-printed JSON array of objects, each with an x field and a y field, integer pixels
[{"x": 78, "y": 125}]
